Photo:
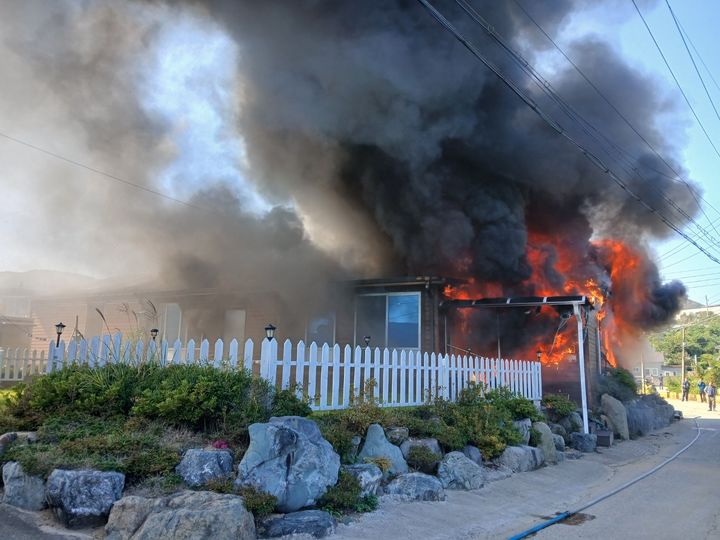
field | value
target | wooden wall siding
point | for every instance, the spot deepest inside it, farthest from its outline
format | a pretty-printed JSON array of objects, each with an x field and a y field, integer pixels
[{"x": 331, "y": 377}]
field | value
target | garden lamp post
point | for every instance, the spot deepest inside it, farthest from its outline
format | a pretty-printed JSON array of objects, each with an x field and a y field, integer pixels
[
  {"x": 538, "y": 354},
  {"x": 59, "y": 327},
  {"x": 270, "y": 331},
  {"x": 366, "y": 339},
  {"x": 154, "y": 333}
]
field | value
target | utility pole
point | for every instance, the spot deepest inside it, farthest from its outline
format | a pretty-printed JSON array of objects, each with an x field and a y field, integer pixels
[
  {"x": 642, "y": 373},
  {"x": 682, "y": 361}
]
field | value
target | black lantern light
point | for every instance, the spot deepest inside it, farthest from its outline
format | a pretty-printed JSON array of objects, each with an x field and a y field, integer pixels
[
  {"x": 154, "y": 333},
  {"x": 59, "y": 327},
  {"x": 366, "y": 339},
  {"x": 539, "y": 355},
  {"x": 270, "y": 331}
]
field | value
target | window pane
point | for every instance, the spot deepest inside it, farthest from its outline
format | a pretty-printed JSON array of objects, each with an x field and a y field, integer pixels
[
  {"x": 321, "y": 330},
  {"x": 370, "y": 313},
  {"x": 403, "y": 321}
]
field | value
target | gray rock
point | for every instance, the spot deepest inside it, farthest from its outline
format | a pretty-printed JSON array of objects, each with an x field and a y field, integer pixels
[
  {"x": 397, "y": 435},
  {"x": 313, "y": 522},
  {"x": 561, "y": 456},
  {"x": 521, "y": 458},
  {"x": 571, "y": 453},
  {"x": 584, "y": 442},
  {"x": 456, "y": 471},
  {"x": 571, "y": 423},
  {"x": 473, "y": 453},
  {"x": 416, "y": 487},
  {"x": 546, "y": 442},
  {"x": 523, "y": 426},
  {"x": 197, "y": 515},
  {"x": 648, "y": 413},
  {"x": 289, "y": 458},
  {"x": 22, "y": 490},
  {"x": 616, "y": 415},
  {"x": 557, "y": 429},
  {"x": 368, "y": 475},
  {"x": 495, "y": 472},
  {"x": 430, "y": 444},
  {"x": 376, "y": 445},
  {"x": 85, "y": 497},
  {"x": 199, "y": 466},
  {"x": 559, "y": 443},
  {"x": 6, "y": 439}
]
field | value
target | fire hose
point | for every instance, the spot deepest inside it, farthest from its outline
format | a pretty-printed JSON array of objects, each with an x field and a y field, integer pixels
[{"x": 564, "y": 515}]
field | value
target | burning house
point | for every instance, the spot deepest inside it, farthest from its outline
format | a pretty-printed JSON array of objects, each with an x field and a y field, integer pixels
[{"x": 284, "y": 147}]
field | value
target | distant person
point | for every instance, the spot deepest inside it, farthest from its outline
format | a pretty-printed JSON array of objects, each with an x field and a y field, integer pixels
[
  {"x": 711, "y": 392},
  {"x": 701, "y": 390},
  {"x": 685, "y": 389}
]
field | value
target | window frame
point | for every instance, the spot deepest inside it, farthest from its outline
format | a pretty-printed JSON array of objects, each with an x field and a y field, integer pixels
[{"x": 387, "y": 295}]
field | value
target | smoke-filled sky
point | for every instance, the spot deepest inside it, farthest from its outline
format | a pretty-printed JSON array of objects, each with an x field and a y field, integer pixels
[{"x": 316, "y": 138}]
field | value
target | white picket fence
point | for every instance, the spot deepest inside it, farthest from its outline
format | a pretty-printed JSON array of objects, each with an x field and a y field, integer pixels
[
  {"x": 17, "y": 364},
  {"x": 332, "y": 377}
]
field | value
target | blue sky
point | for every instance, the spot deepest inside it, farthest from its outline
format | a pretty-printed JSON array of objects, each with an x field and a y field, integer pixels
[{"x": 677, "y": 259}]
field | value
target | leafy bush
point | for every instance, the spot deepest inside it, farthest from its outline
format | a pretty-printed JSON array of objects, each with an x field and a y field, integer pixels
[
  {"x": 258, "y": 502},
  {"x": 535, "y": 437},
  {"x": 619, "y": 383},
  {"x": 286, "y": 403},
  {"x": 345, "y": 496},
  {"x": 518, "y": 406},
  {"x": 558, "y": 406},
  {"x": 219, "y": 485},
  {"x": 423, "y": 459}
]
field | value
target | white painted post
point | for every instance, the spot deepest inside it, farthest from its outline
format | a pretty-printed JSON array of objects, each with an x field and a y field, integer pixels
[
  {"x": 233, "y": 354},
  {"x": 286, "y": 363},
  {"x": 217, "y": 354},
  {"x": 248, "y": 358},
  {"x": 204, "y": 357},
  {"x": 117, "y": 340},
  {"x": 581, "y": 360},
  {"x": 312, "y": 373},
  {"x": 324, "y": 376},
  {"x": 394, "y": 378},
  {"x": 433, "y": 392},
  {"x": 335, "y": 389},
  {"x": 385, "y": 397},
  {"x": 367, "y": 373},
  {"x": 411, "y": 377},
  {"x": 403, "y": 363},
  {"x": 418, "y": 377},
  {"x": 376, "y": 374},
  {"x": 300, "y": 368},
  {"x": 357, "y": 389},
  {"x": 190, "y": 353},
  {"x": 347, "y": 366}
]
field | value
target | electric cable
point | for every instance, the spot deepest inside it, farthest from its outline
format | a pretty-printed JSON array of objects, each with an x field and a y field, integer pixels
[
  {"x": 592, "y": 157},
  {"x": 657, "y": 45}
]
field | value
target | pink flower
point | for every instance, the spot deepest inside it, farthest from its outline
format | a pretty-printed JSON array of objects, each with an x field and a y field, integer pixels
[{"x": 220, "y": 444}]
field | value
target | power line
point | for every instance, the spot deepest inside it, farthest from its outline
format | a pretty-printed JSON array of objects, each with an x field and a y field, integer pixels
[
  {"x": 667, "y": 64},
  {"x": 702, "y": 81},
  {"x": 678, "y": 177},
  {"x": 587, "y": 127},
  {"x": 592, "y": 157},
  {"x": 102, "y": 173}
]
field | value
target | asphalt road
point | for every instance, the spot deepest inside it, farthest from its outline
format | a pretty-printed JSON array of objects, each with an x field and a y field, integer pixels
[
  {"x": 681, "y": 500},
  {"x": 19, "y": 525}
]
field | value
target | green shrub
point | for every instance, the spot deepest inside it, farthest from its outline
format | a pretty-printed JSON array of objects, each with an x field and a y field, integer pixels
[
  {"x": 422, "y": 459},
  {"x": 535, "y": 437},
  {"x": 220, "y": 485},
  {"x": 258, "y": 502},
  {"x": 619, "y": 383},
  {"x": 625, "y": 378},
  {"x": 559, "y": 406},
  {"x": 286, "y": 403},
  {"x": 382, "y": 463},
  {"x": 339, "y": 437},
  {"x": 518, "y": 406},
  {"x": 345, "y": 496}
]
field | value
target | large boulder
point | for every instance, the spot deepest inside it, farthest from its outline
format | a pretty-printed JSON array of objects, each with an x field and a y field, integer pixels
[
  {"x": 416, "y": 487},
  {"x": 546, "y": 442},
  {"x": 523, "y": 427},
  {"x": 557, "y": 429},
  {"x": 559, "y": 443},
  {"x": 584, "y": 442},
  {"x": 397, "y": 435},
  {"x": 572, "y": 423},
  {"x": 22, "y": 490},
  {"x": 368, "y": 476},
  {"x": 316, "y": 523},
  {"x": 648, "y": 413},
  {"x": 200, "y": 515},
  {"x": 290, "y": 459},
  {"x": 429, "y": 443},
  {"x": 456, "y": 471},
  {"x": 521, "y": 458},
  {"x": 377, "y": 446},
  {"x": 616, "y": 414},
  {"x": 199, "y": 466},
  {"x": 85, "y": 497},
  {"x": 473, "y": 453}
]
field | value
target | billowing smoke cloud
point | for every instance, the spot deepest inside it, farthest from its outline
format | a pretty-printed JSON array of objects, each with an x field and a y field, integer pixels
[{"x": 388, "y": 146}]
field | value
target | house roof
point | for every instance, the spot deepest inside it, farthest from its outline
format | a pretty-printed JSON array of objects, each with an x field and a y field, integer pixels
[
  {"x": 404, "y": 281},
  {"x": 521, "y": 301}
]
